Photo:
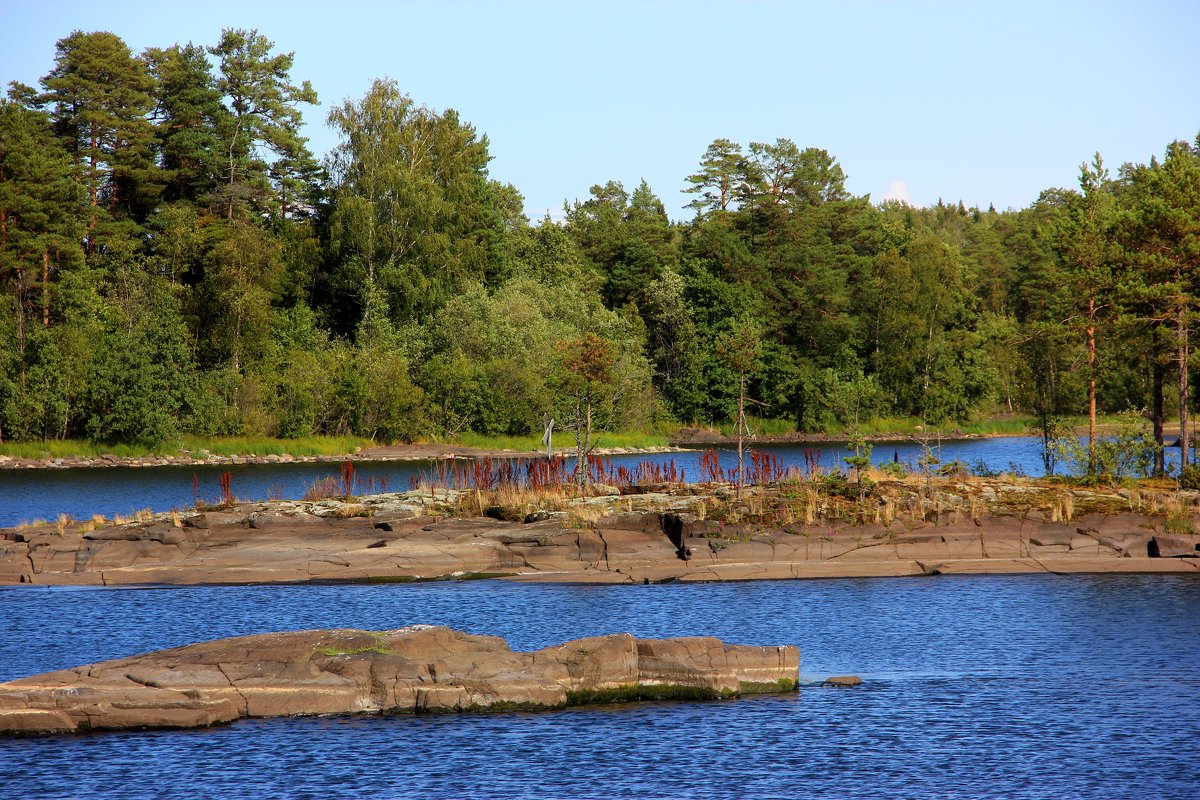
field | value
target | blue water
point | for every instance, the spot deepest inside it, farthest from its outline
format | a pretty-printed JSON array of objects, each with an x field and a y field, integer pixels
[
  {"x": 975, "y": 687},
  {"x": 26, "y": 495}
]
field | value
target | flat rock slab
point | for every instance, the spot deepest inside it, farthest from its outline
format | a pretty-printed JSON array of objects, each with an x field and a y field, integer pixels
[
  {"x": 414, "y": 669},
  {"x": 638, "y": 538}
]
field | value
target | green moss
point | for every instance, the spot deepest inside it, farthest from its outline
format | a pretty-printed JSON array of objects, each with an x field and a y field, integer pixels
[
  {"x": 354, "y": 651},
  {"x": 378, "y": 645},
  {"x": 674, "y": 691},
  {"x": 590, "y": 697},
  {"x": 769, "y": 687},
  {"x": 509, "y": 706}
]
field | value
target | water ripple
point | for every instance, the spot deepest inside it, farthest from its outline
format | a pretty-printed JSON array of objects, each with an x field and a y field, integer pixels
[{"x": 1006, "y": 687}]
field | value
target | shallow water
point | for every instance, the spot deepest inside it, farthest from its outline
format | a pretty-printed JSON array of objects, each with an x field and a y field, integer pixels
[{"x": 1006, "y": 687}]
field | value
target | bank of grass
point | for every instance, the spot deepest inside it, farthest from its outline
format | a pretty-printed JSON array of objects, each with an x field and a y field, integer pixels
[
  {"x": 565, "y": 440},
  {"x": 188, "y": 445},
  {"x": 910, "y": 426}
]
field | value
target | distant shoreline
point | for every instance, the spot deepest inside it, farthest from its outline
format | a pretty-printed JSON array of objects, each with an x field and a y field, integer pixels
[
  {"x": 684, "y": 440},
  {"x": 389, "y": 453}
]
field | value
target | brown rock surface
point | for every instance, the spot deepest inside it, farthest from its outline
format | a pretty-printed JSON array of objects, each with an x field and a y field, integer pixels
[
  {"x": 642, "y": 538},
  {"x": 419, "y": 668}
]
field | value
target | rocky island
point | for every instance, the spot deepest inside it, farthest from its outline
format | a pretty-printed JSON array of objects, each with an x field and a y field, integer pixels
[
  {"x": 643, "y": 535},
  {"x": 414, "y": 669}
]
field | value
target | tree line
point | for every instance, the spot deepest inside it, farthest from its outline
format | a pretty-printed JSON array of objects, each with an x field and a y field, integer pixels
[{"x": 174, "y": 259}]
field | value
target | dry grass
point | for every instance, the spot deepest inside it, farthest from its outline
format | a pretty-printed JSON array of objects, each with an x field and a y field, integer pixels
[{"x": 514, "y": 501}]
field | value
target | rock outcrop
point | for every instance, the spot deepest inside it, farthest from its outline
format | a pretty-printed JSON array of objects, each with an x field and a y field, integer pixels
[
  {"x": 638, "y": 538},
  {"x": 413, "y": 669}
]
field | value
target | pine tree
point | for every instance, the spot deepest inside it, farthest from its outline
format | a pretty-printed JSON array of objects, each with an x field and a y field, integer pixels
[
  {"x": 40, "y": 206},
  {"x": 100, "y": 96},
  {"x": 263, "y": 123}
]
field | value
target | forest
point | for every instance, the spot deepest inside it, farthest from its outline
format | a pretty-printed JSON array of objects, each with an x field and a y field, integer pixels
[{"x": 174, "y": 260}]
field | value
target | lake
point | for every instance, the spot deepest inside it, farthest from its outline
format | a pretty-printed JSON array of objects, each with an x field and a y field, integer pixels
[{"x": 976, "y": 687}]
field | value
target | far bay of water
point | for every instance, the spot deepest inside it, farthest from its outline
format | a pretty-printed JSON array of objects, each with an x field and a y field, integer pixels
[
  {"x": 27, "y": 495},
  {"x": 1014, "y": 687}
]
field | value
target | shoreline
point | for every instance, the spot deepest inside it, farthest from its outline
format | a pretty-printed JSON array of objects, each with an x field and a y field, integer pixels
[
  {"x": 388, "y": 453},
  {"x": 684, "y": 440}
]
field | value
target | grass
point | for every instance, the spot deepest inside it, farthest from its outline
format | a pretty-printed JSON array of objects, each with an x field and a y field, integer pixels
[
  {"x": 219, "y": 446},
  {"x": 987, "y": 426},
  {"x": 266, "y": 446},
  {"x": 1008, "y": 424}
]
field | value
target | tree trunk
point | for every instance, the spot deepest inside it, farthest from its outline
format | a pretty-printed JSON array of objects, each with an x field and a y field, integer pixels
[
  {"x": 1091, "y": 345},
  {"x": 1181, "y": 344},
  {"x": 46, "y": 289},
  {"x": 741, "y": 427},
  {"x": 21, "y": 314},
  {"x": 93, "y": 195},
  {"x": 1157, "y": 418}
]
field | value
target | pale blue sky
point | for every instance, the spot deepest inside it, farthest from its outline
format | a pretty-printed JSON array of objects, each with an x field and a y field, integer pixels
[{"x": 983, "y": 102}]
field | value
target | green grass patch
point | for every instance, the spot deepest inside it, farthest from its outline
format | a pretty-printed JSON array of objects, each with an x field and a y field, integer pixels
[
  {"x": 68, "y": 448},
  {"x": 912, "y": 426},
  {"x": 378, "y": 645},
  {"x": 219, "y": 446},
  {"x": 268, "y": 446},
  {"x": 354, "y": 651}
]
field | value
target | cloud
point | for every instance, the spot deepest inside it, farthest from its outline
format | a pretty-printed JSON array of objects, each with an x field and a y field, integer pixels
[{"x": 897, "y": 190}]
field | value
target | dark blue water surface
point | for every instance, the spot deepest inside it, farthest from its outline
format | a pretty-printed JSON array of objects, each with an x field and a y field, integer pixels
[
  {"x": 997, "y": 687},
  {"x": 26, "y": 495}
]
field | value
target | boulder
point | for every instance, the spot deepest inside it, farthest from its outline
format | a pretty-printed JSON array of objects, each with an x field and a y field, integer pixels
[
  {"x": 415, "y": 669},
  {"x": 1173, "y": 547},
  {"x": 843, "y": 681}
]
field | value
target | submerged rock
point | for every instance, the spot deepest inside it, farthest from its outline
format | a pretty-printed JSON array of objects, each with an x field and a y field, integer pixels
[
  {"x": 843, "y": 681},
  {"x": 414, "y": 669}
]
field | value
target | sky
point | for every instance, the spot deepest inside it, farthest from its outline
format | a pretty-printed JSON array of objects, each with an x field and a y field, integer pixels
[{"x": 983, "y": 102}]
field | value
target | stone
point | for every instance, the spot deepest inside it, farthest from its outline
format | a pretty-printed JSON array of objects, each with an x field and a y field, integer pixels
[
  {"x": 415, "y": 669},
  {"x": 1051, "y": 538},
  {"x": 651, "y": 537},
  {"x": 1173, "y": 547},
  {"x": 843, "y": 681}
]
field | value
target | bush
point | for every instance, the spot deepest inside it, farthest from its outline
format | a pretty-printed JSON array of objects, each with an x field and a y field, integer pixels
[{"x": 1189, "y": 477}]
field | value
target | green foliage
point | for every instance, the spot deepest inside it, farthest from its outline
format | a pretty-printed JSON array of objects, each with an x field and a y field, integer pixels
[
  {"x": 1189, "y": 477},
  {"x": 263, "y": 117},
  {"x": 99, "y": 96},
  {"x": 174, "y": 261},
  {"x": 414, "y": 213},
  {"x": 139, "y": 387},
  {"x": 1128, "y": 451}
]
